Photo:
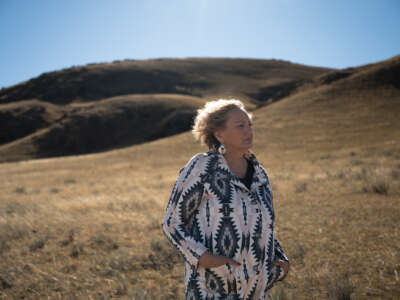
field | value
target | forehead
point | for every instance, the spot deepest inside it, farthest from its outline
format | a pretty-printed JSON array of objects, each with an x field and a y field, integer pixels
[{"x": 237, "y": 115}]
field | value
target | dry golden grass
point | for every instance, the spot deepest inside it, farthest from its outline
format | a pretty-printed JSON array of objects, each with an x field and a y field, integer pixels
[{"x": 89, "y": 227}]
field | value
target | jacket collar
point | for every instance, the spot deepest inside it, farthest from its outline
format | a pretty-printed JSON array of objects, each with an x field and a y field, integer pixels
[{"x": 259, "y": 176}]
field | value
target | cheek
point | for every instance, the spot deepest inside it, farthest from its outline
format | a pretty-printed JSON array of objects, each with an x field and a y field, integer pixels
[
  {"x": 239, "y": 135},
  {"x": 232, "y": 137}
]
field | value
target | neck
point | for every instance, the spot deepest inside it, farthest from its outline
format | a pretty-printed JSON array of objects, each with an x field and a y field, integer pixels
[{"x": 234, "y": 155}]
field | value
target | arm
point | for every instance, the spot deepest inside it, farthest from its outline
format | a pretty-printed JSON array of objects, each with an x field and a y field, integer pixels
[
  {"x": 185, "y": 198},
  {"x": 281, "y": 260},
  {"x": 279, "y": 254}
]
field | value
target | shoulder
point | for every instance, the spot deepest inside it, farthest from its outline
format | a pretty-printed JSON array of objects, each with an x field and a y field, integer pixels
[
  {"x": 195, "y": 165},
  {"x": 199, "y": 160},
  {"x": 259, "y": 168}
]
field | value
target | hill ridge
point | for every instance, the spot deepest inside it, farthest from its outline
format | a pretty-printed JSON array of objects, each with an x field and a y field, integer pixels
[{"x": 81, "y": 124}]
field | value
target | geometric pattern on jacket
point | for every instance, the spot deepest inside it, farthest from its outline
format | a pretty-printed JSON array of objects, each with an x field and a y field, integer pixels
[{"x": 211, "y": 209}]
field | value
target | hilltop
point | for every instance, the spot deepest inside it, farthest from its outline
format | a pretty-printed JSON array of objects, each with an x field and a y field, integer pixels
[
  {"x": 201, "y": 77},
  {"x": 99, "y": 107}
]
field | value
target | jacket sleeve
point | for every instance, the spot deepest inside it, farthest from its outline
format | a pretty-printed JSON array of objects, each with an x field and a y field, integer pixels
[
  {"x": 181, "y": 210},
  {"x": 279, "y": 254}
]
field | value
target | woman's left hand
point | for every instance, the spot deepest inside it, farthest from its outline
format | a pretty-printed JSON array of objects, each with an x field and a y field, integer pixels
[{"x": 284, "y": 265}]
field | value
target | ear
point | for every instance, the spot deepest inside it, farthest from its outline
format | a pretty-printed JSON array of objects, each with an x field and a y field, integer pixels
[{"x": 218, "y": 135}]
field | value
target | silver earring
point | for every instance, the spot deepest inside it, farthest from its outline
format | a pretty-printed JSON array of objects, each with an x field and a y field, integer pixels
[{"x": 222, "y": 149}]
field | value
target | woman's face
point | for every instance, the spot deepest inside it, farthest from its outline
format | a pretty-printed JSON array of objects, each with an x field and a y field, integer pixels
[{"x": 238, "y": 132}]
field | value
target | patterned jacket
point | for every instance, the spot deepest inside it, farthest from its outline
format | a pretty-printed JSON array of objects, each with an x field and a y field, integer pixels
[{"x": 211, "y": 209}]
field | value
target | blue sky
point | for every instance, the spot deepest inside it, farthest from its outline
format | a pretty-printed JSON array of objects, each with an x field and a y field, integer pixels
[{"x": 40, "y": 36}]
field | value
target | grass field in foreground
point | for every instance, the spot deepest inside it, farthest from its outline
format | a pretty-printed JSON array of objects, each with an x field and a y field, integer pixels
[{"x": 89, "y": 227}]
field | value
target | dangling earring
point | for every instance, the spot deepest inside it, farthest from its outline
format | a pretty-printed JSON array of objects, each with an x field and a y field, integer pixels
[{"x": 222, "y": 149}]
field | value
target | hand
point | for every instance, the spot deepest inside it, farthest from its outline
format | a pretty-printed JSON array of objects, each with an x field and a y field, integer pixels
[
  {"x": 284, "y": 265},
  {"x": 208, "y": 260}
]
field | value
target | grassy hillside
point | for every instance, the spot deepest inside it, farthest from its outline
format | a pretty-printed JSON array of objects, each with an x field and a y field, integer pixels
[
  {"x": 89, "y": 226},
  {"x": 334, "y": 158},
  {"x": 99, "y": 107},
  {"x": 91, "y": 127}
]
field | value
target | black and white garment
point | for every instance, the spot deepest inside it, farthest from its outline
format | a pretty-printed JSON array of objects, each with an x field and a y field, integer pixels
[{"x": 211, "y": 209}]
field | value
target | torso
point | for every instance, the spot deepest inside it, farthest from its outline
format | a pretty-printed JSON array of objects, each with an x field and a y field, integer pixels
[
  {"x": 230, "y": 220},
  {"x": 247, "y": 179}
]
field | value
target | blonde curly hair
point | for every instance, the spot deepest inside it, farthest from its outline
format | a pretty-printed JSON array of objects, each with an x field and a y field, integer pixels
[{"x": 212, "y": 117}]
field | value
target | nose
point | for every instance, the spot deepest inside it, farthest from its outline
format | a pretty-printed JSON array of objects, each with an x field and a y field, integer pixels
[
  {"x": 249, "y": 133},
  {"x": 250, "y": 130}
]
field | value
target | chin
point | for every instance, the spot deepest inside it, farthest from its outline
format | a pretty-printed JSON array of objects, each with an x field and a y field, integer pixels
[
  {"x": 246, "y": 148},
  {"x": 248, "y": 145}
]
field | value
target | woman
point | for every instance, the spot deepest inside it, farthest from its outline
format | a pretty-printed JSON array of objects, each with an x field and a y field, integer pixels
[{"x": 220, "y": 215}]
